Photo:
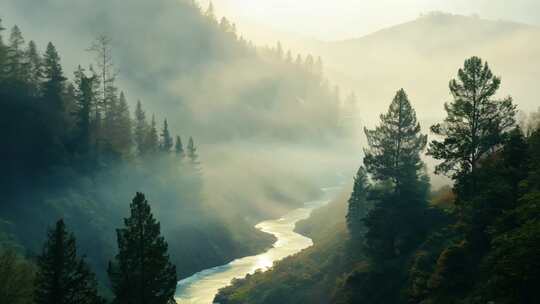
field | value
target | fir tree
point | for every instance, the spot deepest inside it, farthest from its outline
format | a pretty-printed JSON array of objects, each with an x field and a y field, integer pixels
[
  {"x": 63, "y": 277},
  {"x": 141, "y": 129},
  {"x": 85, "y": 100},
  {"x": 54, "y": 79},
  {"x": 395, "y": 145},
  {"x": 475, "y": 122},
  {"x": 152, "y": 139},
  {"x": 395, "y": 224},
  {"x": 358, "y": 208},
  {"x": 166, "y": 139},
  {"x": 179, "y": 147},
  {"x": 15, "y": 55},
  {"x": 3, "y": 54},
  {"x": 123, "y": 126},
  {"x": 35, "y": 73},
  {"x": 142, "y": 272},
  {"x": 192, "y": 151}
]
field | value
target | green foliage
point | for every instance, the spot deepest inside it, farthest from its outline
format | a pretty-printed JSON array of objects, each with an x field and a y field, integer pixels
[
  {"x": 142, "y": 272},
  {"x": 62, "y": 276},
  {"x": 358, "y": 205},
  {"x": 475, "y": 122},
  {"x": 395, "y": 145},
  {"x": 166, "y": 138},
  {"x": 394, "y": 156},
  {"x": 16, "y": 278}
]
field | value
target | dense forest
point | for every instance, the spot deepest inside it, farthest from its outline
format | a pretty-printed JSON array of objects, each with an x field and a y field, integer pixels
[
  {"x": 76, "y": 149},
  {"x": 395, "y": 241}
]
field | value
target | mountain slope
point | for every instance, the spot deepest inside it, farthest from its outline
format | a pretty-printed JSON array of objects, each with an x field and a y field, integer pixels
[{"x": 421, "y": 56}]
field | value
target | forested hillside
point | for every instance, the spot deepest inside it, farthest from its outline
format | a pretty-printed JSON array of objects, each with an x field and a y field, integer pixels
[
  {"x": 76, "y": 145},
  {"x": 474, "y": 243}
]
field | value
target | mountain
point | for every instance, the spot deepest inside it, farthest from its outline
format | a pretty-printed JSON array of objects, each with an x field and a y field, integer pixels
[{"x": 421, "y": 56}]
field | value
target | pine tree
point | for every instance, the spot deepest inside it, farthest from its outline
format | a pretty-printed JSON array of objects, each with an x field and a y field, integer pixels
[
  {"x": 475, "y": 122},
  {"x": 54, "y": 79},
  {"x": 166, "y": 139},
  {"x": 63, "y": 277},
  {"x": 35, "y": 73},
  {"x": 179, "y": 147},
  {"x": 123, "y": 126},
  {"x": 85, "y": 100},
  {"x": 3, "y": 54},
  {"x": 395, "y": 145},
  {"x": 15, "y": 55},
  {"x": 358, "y": 208},
  {"x": 152, "y": 139},
  {"x": 395, "y": 224},
  {"x": 192, "y": 151},
  {"x": 141, "y": 129},
  {"x": 101, "y": 47},
  {"x": 141, "y": 272}
]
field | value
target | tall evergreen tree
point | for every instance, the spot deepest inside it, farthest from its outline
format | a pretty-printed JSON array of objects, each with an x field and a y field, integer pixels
[
  {"x": 101, "y": 47},
  {"x": 142, "y": 272},
  {"x": 141, "y": 129},
  {"x": 3, "y": 54},
  {"x": 63, "y": 277},
  {"x": 34, "y": 64},
  {"x": 53, "y": 85},
  {"x": 15, "y": 55},
  {"x": 393, "y": 159},
  {"x": 357, "y": 208},
  {"x": 475, "y": 124},
  {"x": 123, "y": 126},
  {"x": 192, "y": 151},
  {"x": 395, "y": 145},
  {"x": 152, "y": 139},
  {"x": 166, "y": 139},
  {"x": 179, "y": 147},
  {"x": 85, "y": 99}
]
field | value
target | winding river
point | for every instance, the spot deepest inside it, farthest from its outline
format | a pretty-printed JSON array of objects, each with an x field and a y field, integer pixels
[{"x": 201, "y": 287}]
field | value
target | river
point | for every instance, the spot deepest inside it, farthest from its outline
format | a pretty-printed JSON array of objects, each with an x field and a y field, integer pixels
[{"x": 202, "y": 287}]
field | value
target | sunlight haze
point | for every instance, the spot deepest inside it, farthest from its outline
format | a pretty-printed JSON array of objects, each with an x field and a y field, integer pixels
[{"x": 343, "y": 19}]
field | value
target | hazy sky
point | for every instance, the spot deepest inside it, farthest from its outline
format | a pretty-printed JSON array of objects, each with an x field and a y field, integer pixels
[{"x": 341, "y": 19}]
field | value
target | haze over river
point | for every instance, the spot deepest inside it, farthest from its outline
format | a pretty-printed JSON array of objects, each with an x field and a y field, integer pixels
[{"x": 202, "y": 287}]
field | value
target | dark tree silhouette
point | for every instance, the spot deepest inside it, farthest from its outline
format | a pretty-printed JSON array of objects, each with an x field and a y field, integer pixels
[
  {"x": 63, "y": 277},
  {"x": 475, "y": 123},
  {"x": 141, "y": 272},
  {"x": 395, "y": 145}
]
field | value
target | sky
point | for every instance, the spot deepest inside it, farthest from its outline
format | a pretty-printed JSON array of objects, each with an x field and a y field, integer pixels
[{"x": 343, "y": 19}]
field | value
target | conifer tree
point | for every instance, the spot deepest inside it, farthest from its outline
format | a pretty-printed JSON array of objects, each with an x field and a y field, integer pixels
[
  {"x": 393, "y": 160},
  {"x": 123, "y": 126},
  {"x": 101, "y": 47},
  {"x": 35, "y": 73},
  {"x": 15, "y": 55},
  {"x": 85, "y": 100},
  {"x": 395, "y": 145},
  {"x": 54, "y": 79},
  {"x": 152, "y": 139},
  {"x": 3, "y": 54},
  {"x": 475, "y": 123},
  {"x": 141, "y": 129},
  {"x": 63, "y": 277},
  {"x": 357, "y": 208},
  {"x": 166, "y": 139},
  {"x": 141, "y": 272},
  {"x": 192, "y": 151},
  {"x": 179, "y": 147}
]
